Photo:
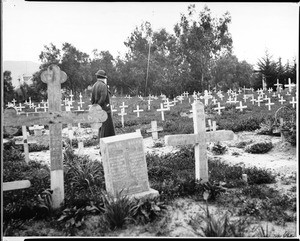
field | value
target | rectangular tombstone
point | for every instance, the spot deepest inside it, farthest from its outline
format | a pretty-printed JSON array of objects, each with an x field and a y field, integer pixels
[{"x": 125, "y": 166}]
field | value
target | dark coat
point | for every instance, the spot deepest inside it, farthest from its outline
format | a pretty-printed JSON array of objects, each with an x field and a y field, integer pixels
[{"x": 100, "y": 96}]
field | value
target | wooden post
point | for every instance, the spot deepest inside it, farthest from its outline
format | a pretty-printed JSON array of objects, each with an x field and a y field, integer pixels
[
  {"x": 199, "y": 139},
  {"x": 53, "y": 76}
]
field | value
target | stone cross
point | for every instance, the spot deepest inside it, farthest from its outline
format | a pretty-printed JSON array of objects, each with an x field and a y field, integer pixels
[
  {"x": 138, "y": 110},
  {"x": 199, "y": 139},
  {"x": 219, "y": 108},
  {"x": 162, "y": 111},
  {"x": 241, "y": 107},
  {"x": 154, "y": 130},
  {"x": 53, "y": 77}
]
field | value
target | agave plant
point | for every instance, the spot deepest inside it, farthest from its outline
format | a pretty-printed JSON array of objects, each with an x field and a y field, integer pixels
[{"x": 118, "y": 210}]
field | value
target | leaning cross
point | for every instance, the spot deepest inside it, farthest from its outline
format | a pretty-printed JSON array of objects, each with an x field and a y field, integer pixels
[
  {"x": 199, "y": 139},
  {"x": 53, "y": 76},
  {"x": 154, "y": 129}
]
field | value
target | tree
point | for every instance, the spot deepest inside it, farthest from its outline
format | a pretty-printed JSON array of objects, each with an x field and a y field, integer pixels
[
  {"x": 8, "y": 89},
  {"x": 267, "y": 68},
  {"x": 201, "y": 41}
]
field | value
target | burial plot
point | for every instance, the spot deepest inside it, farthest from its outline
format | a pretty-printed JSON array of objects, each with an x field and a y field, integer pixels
[
  {"x": 125, "y": 167},
  {"x": 199, "y": 139},
  {"x": 53, "y": 77}
]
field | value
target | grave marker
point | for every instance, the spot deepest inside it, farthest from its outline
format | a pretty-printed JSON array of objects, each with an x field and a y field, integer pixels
[
  {"x": 138, "y": 110},
  {"x": 269, "y": 103},
  {"x": 125, "y": 167},
  {"x": 241, "y": 107},
  {"x": 162, "y": 111},
  {"x": 199, "y": 139},
  {"x": 154, "y": 130},
  {"x": 219, "y": 108},
  {"x": 281, "y": 100},
  {"x": 53, "y": 77},
  {"x": 122, "y": 115},
  {"x": 293, "y": 102}
]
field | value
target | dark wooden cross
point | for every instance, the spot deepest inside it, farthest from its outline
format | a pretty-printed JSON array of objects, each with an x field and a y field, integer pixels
[{"x": 53, "y": 77}]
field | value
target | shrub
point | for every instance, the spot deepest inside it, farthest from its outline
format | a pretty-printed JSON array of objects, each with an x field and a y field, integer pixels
[
  {"x": 218, "y": 149},
  {"x": 259, "y": 148},
  {"x": 118, "y": 210}
]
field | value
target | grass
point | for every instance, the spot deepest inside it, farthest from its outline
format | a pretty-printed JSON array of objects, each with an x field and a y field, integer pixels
[{"x": 171, "y": 174}]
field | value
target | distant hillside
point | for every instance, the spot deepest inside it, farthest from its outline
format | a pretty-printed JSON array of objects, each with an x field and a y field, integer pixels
[{"x": 18, "y": 68}]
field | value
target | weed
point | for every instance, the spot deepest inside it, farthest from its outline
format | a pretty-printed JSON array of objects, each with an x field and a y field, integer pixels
[
  {"x": 218, "y": 149},
  {"x": 259, "y": 148}
]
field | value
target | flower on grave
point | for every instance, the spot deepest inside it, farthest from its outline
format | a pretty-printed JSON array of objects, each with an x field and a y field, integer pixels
[{"x": 205, "y": 195}]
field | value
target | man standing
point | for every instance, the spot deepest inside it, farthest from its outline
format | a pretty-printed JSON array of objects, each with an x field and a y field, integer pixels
[{"x": 100, "y": 96}]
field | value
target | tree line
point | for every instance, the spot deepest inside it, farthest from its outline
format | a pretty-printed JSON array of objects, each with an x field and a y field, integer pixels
[{"x": 196, "y": 56}]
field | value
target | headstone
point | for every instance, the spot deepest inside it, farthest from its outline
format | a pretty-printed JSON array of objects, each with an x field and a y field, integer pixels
[
  {"x": 199, "y": 139},
  {"x": 125, "y": 167}
]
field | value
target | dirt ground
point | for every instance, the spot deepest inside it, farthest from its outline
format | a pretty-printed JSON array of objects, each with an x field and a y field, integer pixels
[{"x": 282, "y": 160}]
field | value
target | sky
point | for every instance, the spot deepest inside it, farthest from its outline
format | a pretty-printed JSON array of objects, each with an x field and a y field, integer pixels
[{"x": 29, "y": 26}]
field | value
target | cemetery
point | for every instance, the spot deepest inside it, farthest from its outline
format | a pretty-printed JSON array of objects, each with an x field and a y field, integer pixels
[{"x": 170, "y": 162}]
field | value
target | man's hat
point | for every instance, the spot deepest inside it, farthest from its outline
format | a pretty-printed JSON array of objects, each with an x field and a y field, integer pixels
[{"x": 101, "y": 74}]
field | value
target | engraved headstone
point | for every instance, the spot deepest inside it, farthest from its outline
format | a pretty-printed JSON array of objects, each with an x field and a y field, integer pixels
[{"x": 125, "y": 167}]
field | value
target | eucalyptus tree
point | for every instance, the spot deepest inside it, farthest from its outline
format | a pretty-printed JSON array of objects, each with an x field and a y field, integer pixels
[{"x": 202, "y": 39}]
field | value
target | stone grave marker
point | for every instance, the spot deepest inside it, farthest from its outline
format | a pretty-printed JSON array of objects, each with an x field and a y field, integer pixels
[
  {"x": 125, "y": 167},
  {"x": 199, "y": 139},
  {"x": 154, "y": 130},
  {"x": 53, "y": 77}
]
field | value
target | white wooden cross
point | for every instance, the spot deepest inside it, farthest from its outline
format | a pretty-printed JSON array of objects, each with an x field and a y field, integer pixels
[
  {"x": 245, "y": 97},
  {"x": 14, "y": 102},
  {"x": 290, "y": 85},
  {"x": 138, "y": 110},
  {"x": 241, "y": 107},
  {"x": 277, "y": 85},
  {"x": 123, "y": 106},
  {"x": 162, "y": 111},
  {"x": 230, "y": 101},
  {"x": 20, "y": 107},
  {"x": 253, "y": 100},
  {"x": 25, "y": 143},
  {"x": 149, "y": 102},
  {"x": 219, "y": 108},
  {"x": 53, "y": 77},
  {"x": 240, "y": 91},
  {"x": 221, "y": 96},
  {"x": 281, "y": 100},
  {"x": 154, "y": 130},
  {"x": 206, "y": 97},
  {"x": 259, "y": 100},
  {"x": 269, "y": 103},
  {"x": 270, "y": 90},
  {"x": 122, "y": 115},
  {"x": 199, "y": 139},
  {"x": 180, "y": 98},
  {"x": 168, "y": 103},
  {"x": 112, "y": 109},
  {"x": 293, "y": 102},
  {"x": 186, "y": 94},
  {"x": 71, "y": 100},
  {"x": 80, "y": 100}
]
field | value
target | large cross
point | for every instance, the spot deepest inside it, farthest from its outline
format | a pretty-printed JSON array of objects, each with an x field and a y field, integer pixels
[
  {"x": 199, "y": 139},
  {"x": 53, "y": 77}
]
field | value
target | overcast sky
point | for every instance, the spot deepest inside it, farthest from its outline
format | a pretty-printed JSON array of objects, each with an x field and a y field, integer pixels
[{"x": 28, "y": 26}]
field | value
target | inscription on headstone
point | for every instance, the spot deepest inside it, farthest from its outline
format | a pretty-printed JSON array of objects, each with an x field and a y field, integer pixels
[{"x": 125, "y": 166}]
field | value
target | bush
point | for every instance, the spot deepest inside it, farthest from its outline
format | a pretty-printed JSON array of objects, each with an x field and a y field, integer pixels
[
  {"x": 218, "y": 149},
  {"x": 259, "y": 148}
]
